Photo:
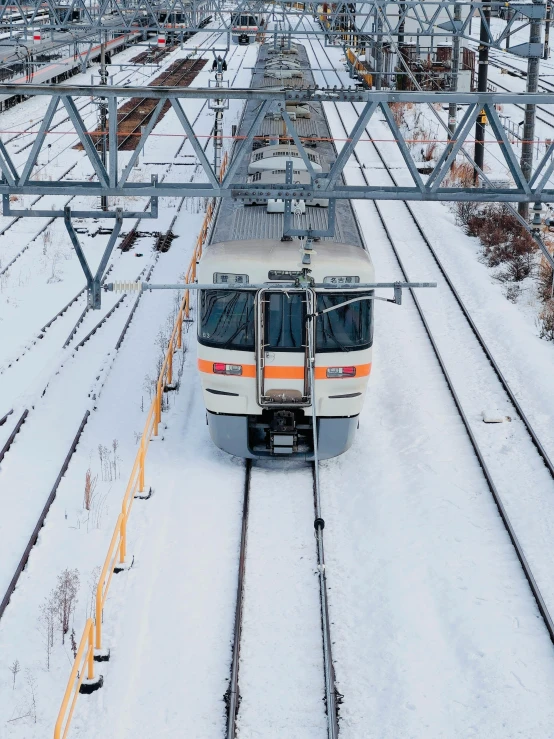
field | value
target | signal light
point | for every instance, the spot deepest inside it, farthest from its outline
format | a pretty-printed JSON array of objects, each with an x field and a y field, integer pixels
[
  {"x": 338, "y": 372},
  {"x": 220, "y": 368}
]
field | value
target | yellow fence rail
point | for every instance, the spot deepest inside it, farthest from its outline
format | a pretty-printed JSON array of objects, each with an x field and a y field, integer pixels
[
  {"x": 359, "y": 67},
  {"x": 84, "y": 661},
  {"x": 117, "y": 550}
]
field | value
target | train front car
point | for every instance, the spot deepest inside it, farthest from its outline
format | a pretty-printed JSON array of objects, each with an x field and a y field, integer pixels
[
  {"x": 253, "y": 347},
  {"x": 245, "y": 28}
]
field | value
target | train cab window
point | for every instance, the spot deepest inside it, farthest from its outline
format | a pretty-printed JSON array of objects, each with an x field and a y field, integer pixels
[
  {"x": 285, "y": 321},
  {"x": 344, "y": 329},
  {"x": 227, "y": 319}
]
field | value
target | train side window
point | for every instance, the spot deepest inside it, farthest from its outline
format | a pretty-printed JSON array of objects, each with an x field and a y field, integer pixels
[
  {"x": 344, "y": 329},
  {"x": 227, "y": 319}
]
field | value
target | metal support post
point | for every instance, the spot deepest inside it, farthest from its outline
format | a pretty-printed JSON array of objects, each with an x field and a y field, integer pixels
[
  {"x": 401, "y": 46},
  {"x": 529, "y": 124},
  {"x": 378, "y": 48},
  {"x": 482, "y": 80},
  {"x": 547, "y": 22},
  {"x": 219, "y": 65},
  {"x": 103, "y": 116},
  {"x": 94, "y": 282},
  {"x": 453, "y": 107}
]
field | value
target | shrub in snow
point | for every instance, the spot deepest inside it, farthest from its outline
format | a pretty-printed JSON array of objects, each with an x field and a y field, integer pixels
[
  {"x": 546, "y": 321},
  {"x": 461, "y": 175},
  {"x": 65, "y": 598},
  {"x": 14, "y": 669},
  {"x": 545, "y": 277},
  {"x": 90, "y": 486},
  {"x": 464, "y": 211},
  {"x": 506, "y": 244}
]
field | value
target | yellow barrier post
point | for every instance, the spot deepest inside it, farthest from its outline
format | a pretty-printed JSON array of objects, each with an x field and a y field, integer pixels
[
  {"x": 75, "y": 682},
  {"x": 123, "y": 538},
  {"x": 170, "y": 366},
  {"x": 100, "y": 593},
  {"x": 180, "y": 329},
  {"x": 142, "y": 460},
  {"x": 118, "y": 545}
]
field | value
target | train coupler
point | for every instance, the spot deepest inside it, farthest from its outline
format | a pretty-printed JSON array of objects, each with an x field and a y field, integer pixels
[{"x": 283, "y": 435}]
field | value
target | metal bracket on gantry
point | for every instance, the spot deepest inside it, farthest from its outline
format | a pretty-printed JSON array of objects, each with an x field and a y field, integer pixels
[
  {"x": 94, "y": 282},
  {"x": 308, "y": 233}
]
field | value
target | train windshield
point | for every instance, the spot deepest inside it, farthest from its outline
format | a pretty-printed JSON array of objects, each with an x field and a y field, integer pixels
[
  {"x": 344, "y": 329},
  {"x": 243, "y": 21},
  {"x": 285, "y": 321},
  {"x": 227, "y": 319}
]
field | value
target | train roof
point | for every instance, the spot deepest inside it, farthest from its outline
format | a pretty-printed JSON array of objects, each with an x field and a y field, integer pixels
[
  {"x": 273, "y": 176},
  {"x": 257, "y": 258}
]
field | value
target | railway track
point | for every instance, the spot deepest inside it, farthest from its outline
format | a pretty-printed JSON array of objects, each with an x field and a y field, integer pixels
[
  {"x": 164, "y": 243},
  {"x": 275, "y": 568},
  {"x": 489, "y": 466},
  {"x": 543, "y": 110},
  {"x": 164, "y": 239},
  {"x": 93, "y": 395}
]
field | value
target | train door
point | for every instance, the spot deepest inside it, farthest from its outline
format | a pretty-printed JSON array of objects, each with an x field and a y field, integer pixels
[{"x": 282, "y": 347}]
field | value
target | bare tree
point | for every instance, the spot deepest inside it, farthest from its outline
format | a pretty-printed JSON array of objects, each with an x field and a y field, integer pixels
[
  {"x": 32, "y": 690},
  {"x": 47, "y": 620},
  {"x": 14, "y": 669},
  {"x": 115, "y": 446},
  {"x": 93, "y": 584},
  {"x": 66, "y": 598},
  {"x": 90, "y": 486},
  {"x": 73, "y": 643},
  {"x": 101, "y": 449}
]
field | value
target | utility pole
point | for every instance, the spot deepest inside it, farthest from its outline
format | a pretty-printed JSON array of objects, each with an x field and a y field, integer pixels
[
  {"x": 378, "y": 48},
  {"x": 529, "y": 123},
  {"x": 453, "y": 107},
  {"x": 103, "y": 116},
  {"x": 482, "y": 79},
  {"x": 401, "y": 50},
  {"x": 547, "y": 23},
  {"x": 219, "y": 66}
]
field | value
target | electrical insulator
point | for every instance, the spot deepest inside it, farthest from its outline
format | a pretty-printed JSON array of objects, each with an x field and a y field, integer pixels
[
  {"x": 126, "y": 287},
  {"x": 537, "y": 222}
]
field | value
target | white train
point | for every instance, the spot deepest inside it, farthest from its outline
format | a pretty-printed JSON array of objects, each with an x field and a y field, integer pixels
[
  {"x": 253, "y": 347},
  {"x": 256, "y": 333},
  {"x": 245, "y": 27}
]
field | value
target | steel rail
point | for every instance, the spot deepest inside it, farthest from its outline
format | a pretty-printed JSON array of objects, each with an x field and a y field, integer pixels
[
  {"x": 232, "y": 695},
  {"x": 73, "y": 331},
  {"x": 40, "y": 522},
  {"x": 539, "y": 599},
  {"x": 482, "y": 343},
  {"x": 129, "y": 135},
  {"x": 521, "y": 107},
  {"x": 16, "y": 429},
  {"x": 52, "y": 495},
  {"x": 541, "y": 604}
]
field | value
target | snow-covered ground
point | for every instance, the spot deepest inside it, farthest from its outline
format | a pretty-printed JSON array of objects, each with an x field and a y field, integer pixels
[
  {"x": 72, "y": 537},
  {"x": 435, "y": 632}
]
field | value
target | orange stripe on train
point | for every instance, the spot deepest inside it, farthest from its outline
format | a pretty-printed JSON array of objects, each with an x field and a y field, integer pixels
[{"x": 276, "y": 372}]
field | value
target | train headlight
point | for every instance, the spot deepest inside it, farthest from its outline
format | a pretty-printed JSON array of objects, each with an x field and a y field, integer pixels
[
  {"x": 227, "y": 369},
  {"x": 337, "y": 372}
]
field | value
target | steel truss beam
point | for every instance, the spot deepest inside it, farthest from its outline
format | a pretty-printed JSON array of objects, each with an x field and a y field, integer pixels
[
  {"x": 113, "y": 180},
  {"x": 94, "y": 282},
  {"x": 433, "y": 18}
]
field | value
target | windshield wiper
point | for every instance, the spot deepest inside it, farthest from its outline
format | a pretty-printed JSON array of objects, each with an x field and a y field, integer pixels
[{"x": 237, "y": 331}]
